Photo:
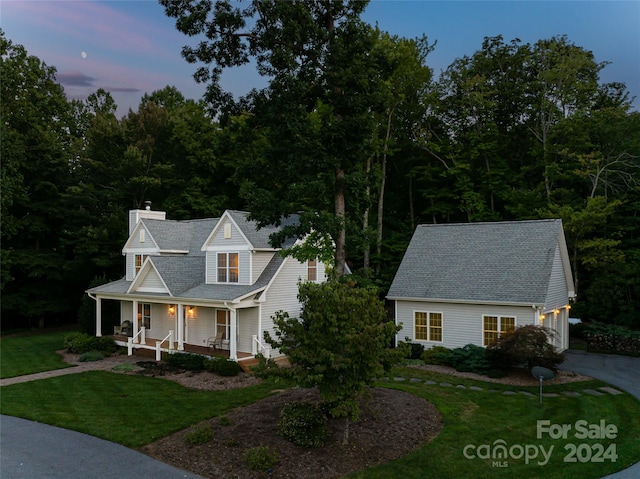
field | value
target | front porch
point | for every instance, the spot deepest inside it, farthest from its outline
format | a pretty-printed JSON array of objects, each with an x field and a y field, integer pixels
[{"x": 151, "y": 344}]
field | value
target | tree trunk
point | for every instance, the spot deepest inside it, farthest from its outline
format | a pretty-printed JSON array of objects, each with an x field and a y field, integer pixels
[
  {"x": 345, "y": 435},
  {"x": 341, "y": 235},
  {"x": 365, "y": 222}
]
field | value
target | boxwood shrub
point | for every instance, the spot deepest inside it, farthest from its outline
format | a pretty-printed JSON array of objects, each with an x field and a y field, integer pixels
[
  {"x": 303, "y": 423},
  {"x": 223, "y": 367}
]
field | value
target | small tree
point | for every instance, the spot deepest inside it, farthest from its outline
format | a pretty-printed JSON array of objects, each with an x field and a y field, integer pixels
[
  {"x": 339, "y": 344},
  {"x": 530, "y": 345}
]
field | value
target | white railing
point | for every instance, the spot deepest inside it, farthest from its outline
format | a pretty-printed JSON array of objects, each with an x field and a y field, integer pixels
[
  {"x": 159, "y": 344},
  {"x": 142, "y": 340},
  {"x": 258, "y": 348}
]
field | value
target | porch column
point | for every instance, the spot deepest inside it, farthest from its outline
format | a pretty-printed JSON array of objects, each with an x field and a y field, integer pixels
[
  {"x": 233, "y": 340},
  {"x": 180, "y": 327},
  {"x": 98, "y": 317},
  {"x": 135, "y": 320}
]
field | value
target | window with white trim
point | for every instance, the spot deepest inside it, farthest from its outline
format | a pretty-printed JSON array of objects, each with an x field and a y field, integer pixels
[
  {"x": 227, "y": 267},
  {"x": 312, "y": 270},
  {"x": 139, "y": 259},
  {"x": 223, "y": 322},
  {"x": 495, "y": 326},
  {"x": 427, "y": 326},
  {"x": 144, "y": 315}
]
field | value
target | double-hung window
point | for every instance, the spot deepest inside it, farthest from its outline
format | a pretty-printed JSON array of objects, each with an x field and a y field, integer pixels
[
  {"x": 139, "y": 259},
  {"x": 144, "y": 315},
  {"x": 495, "y": 326},
  {"x": 223, "y": 322},
  {"x": 428, "y": 326},
  {"x": 312, "y": 270},
  {"x": 227, "y": 267}
]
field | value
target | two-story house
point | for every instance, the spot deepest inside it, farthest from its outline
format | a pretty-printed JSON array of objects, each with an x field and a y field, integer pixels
[{"x": 212, "y": 282}]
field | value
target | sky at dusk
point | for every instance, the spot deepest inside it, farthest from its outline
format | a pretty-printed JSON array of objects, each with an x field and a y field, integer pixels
[{"x": 131, "y": 47}]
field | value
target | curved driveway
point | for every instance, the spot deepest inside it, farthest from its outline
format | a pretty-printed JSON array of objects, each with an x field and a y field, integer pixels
[
  {"x": 30, "y": 450},
  {"x": 620, "y": 371}
]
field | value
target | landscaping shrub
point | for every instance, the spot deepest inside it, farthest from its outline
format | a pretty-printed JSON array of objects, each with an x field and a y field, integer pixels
[
  {"x": 416, "y": 350},
  {"x": 91, "y": 356},
  {"x": 528, "y": 345},
  {"x": 190, "y": 362},
  {"x": 222, "y": 367},
  {"x": 438, "y": 355},
  {"x": 198, "y": 435},
  {"x": 303, "y": 423},
  {"x": 261, "y": 458},
  {"x": 80, "y": 343},
  {"x": 470, "y": 358}
]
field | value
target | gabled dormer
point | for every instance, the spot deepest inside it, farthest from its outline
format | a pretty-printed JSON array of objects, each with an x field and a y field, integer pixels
[
  {"x": 228, "y": 252},
  {"x": 148, "y": 280},
  {"x": 138, "y": 247}
]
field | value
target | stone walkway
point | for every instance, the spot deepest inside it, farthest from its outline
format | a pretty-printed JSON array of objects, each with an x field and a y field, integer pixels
[
  {"x": 602, "y": 391},
  {"x": 104, "y": 365}
]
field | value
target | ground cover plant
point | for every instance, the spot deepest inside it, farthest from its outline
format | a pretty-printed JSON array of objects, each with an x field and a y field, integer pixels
[{"x": 31, "y": 353}]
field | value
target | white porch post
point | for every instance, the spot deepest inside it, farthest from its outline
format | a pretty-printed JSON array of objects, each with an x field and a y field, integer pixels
[
  {"x": 233, "y": 343},
  {"x": 135, "y": 320},
  {"x": 180, "y": 326},
  {"x": 98, "y": 317}
]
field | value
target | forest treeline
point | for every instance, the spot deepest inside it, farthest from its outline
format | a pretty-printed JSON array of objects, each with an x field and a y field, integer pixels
[{"x": 354, "y": 132}]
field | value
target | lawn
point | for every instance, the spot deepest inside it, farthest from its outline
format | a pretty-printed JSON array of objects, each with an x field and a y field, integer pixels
[
  {"x": 135, "y": 410},
  {"x": 31, "y": 353},
  {"x": 483, "y": 420}
]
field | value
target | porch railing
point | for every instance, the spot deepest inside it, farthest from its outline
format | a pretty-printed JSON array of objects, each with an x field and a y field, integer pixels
[
  {"x": 142, "y": 340},
  {"x": 258, "y": 348},
  {"x": 159, "y": 344}
]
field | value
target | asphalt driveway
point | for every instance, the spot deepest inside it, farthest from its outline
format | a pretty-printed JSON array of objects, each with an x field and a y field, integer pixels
[
  {"x": 620, "y": 371},
  {"x": 30, "y": 450}
]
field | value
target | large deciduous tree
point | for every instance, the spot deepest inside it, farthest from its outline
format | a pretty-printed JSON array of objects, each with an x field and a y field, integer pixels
[
  {"x": 316, "y": 112},
  {"x": 34, "y": 147}
]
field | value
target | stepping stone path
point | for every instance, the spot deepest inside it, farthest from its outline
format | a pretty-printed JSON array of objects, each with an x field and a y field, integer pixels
[{"x": 602, "y": 391}]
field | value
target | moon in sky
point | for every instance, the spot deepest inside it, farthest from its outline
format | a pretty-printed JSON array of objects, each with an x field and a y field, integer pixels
[{"x": 83, "y": 54}]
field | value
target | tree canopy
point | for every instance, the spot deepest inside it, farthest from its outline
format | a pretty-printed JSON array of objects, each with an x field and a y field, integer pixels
[{"x": 351, "y": 131}]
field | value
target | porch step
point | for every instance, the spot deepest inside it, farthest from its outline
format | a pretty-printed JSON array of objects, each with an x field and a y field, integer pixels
[{"x": 247, "y": 364}]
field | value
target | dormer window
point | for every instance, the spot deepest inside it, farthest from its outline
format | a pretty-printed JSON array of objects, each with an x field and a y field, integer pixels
[
  {"x": 312, "y": 270},
  {"x": 139, "y": 260},
  {"x": 227, "y": 267}
]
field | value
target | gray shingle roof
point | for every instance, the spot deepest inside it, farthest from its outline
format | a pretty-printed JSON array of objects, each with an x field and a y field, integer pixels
[
  {"x": 184, "y": 275},
  {"x": 187, "y": 235},
  {"x": 502, "y": 262},
  {"x": 259, "y": 238}
]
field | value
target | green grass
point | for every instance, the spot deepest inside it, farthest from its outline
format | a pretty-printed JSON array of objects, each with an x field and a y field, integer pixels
[
  {"x": 480, "y": 417},
  {"x": 31, "y": 353},
  {"x": 135, "y": 410},
  {"x": 130, "y": 410}
]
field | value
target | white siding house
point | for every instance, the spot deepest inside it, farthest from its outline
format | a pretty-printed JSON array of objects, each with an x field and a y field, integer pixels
[
  {"x": 200, "y": 282},
  {"x": 468, "y": 283}
]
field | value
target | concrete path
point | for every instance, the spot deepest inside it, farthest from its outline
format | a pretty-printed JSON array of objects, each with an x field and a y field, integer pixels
[{"x": 621, "y": 371}]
